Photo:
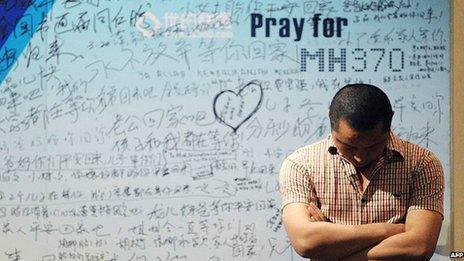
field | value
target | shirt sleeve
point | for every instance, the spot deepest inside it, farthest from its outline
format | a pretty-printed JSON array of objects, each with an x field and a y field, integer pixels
[
  {"x": 294, "y": 182},
  {"x": 427, "y": 186}
]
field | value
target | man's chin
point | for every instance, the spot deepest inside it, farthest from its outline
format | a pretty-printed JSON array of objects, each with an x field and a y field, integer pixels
[{"x": 362, "y": 166}]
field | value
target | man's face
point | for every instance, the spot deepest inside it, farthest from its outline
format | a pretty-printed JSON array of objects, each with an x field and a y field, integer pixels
[{"x": 360, "y": 148}]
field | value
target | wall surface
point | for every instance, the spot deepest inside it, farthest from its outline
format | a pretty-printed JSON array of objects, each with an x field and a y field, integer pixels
[
  {"x": 155, "y": 130},
  {"x": 458, "y": 124}
]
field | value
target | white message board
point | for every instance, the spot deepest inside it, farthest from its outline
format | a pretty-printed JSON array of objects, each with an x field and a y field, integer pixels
[{"x": 155, "y": 130}]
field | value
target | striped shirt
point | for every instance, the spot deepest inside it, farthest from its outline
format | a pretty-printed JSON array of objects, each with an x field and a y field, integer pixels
[{"x": 406, "y": 177}]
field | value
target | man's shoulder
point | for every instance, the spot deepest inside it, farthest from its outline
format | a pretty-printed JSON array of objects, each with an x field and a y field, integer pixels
[
  {"x": 309, "y": 155},
  {"x": 316, "y": 148},
  {"x": 411, "y": 150},
  {"x": 407, "y": 146}
]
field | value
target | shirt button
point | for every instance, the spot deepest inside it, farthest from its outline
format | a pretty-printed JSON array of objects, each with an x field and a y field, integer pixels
[{"x": 363, "y": 200}]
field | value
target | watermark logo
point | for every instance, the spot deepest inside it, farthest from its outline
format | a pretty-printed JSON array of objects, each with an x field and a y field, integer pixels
[
  {"x": 456, "y": 254},
  {"x": 186, "y": 25},
  {"x": 148, "y": 24}
]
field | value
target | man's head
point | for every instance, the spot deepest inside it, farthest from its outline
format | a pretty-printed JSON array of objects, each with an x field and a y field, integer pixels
[
  {"x": 362, "y": 106},
  {"x": 360, "y": 118}
]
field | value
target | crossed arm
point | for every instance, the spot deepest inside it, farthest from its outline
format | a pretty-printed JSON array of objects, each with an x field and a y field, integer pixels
[{"x": 313, "y": 236}]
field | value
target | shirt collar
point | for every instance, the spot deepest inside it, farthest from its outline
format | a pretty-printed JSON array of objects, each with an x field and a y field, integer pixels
[
  {"x": 332, "y": 149},
  {"x": 394, "y": 146}
]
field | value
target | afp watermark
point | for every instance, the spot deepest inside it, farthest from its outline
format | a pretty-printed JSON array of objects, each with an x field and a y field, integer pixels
[{"x": 456, "y": 254}]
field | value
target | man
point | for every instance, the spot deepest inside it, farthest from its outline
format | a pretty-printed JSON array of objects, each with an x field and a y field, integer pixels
[{"x": 362, "y": 193}]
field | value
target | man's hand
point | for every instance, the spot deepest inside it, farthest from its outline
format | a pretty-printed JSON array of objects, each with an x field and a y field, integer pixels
[{"x": 315, "y": 214}]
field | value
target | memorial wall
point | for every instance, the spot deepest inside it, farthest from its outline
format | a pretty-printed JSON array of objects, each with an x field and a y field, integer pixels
[{"x": 155, "y": 130}]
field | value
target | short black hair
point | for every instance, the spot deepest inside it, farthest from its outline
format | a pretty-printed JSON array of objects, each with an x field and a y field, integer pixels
[{"x": 363, "y": 106}]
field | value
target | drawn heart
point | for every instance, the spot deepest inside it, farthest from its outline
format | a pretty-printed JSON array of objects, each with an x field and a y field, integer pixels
[{"x": 233, "y": 109}]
